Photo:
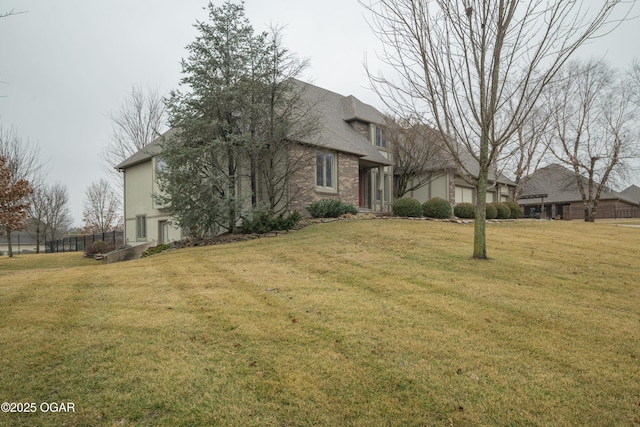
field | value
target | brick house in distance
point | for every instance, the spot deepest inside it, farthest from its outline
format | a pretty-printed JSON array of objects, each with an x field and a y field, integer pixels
[
  {"x": 551, "y": 192},
  {"x": 348, "y": 158}
]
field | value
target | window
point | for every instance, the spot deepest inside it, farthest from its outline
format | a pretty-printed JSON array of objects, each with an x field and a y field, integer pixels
[
  {"x": 381, "y": 138},
  {"x": 326, "y": 171},
  {"x": 141, "y": 227},
  {"x": 386, "y": 186}
]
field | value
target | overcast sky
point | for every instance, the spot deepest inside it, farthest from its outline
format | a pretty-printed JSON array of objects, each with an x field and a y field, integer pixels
[{"x": 65, "y": 64}]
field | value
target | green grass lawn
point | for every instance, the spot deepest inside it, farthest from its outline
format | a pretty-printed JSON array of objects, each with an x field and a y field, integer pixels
[{"x": 352, "y": 323}]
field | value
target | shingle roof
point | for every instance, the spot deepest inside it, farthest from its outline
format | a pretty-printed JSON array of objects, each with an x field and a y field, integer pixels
[
  {"x": 150, "y": 150},
  {"x": 632, "y": 193},
  {"x": 334, "y": 112},
  {"x": 446, "y": 159},
  {"x": 559, "y": 183}
]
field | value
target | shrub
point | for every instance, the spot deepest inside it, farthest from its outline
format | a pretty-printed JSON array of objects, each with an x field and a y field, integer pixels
[
  {"x": 503, "y": 210},
  {"x": 465, "y": 210},
  {"x": 98, "y": 247},
  {"x": 407, "y": 206},
  {"x": 492, "y": 212},
  {"x": 437, "y": 208},
  {"x": 262, "y": 222},
  {"x": 155, "y": 250},
  {"x": 514, "y": 207},
  {"x": 330, "y": 208}
]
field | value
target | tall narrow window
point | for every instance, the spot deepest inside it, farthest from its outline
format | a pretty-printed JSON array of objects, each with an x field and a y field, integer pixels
[{"x": 326, "y": 171}]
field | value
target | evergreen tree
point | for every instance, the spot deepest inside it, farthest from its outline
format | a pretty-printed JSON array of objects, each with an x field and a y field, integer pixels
[
  {"x": 213, "y": 127},
  {"x": 237, "y": 108}
]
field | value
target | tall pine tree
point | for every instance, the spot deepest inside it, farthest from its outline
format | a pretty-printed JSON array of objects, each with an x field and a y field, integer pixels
[{"x": 238, "y": 107}]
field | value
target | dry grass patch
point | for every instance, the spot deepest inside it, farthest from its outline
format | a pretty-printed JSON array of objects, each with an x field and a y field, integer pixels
[{"x": 348, "y": 323}]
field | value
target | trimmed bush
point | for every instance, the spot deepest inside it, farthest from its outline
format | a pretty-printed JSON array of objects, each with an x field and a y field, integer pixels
[
  {"x": 330, "y": 208},
  {"x": 437, "y": 208},
  {"x": 514, "y": 207},
  {"x": 465, "y": 210},
  {"x": 503, "y": 210},
  {"x": 262, "y": 222},
  {"x": 407, "y": 206},
  {"x": 492, "y": 212}
]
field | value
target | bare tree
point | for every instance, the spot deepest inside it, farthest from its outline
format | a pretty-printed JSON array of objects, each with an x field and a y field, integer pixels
[
  {"x": 58, "y": 216},
  {"x": 140, "y": 119},
  {"x": 101, "y": 208},
  {"x": 419, "y": 154},
  {"x": 11, "y": 12},
  {"x": 49, "y": 215},
  {"x": 283, "y": 115},
  {"x": 22, "y": 160},
  {"x": 594, "y": 125},
  {"x": 634, "y": 78},
  {"x": 475, "y": 69},
  {"x": 530, "y": 148}
]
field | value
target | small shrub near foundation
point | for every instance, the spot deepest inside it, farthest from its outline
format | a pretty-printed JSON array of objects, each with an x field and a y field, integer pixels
[
  {"x": 465, "y": 210},
  {"x": 437, "y": 208},
  {"x": 407, "y": 207},
  {"x": 514, "y": 207},
  {"x": 503, "y": 210}
]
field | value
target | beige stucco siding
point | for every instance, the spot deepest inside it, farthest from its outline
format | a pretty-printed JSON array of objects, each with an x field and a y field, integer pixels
[
  {"x": 438, "y": 187},
  {"x": 139, "y": 186}
]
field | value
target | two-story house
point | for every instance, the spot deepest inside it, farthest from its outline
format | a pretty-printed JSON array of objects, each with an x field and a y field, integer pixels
[{"x": 349, "y": 158}]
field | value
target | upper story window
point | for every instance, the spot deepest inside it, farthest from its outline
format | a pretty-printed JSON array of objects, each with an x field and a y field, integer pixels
[
  {"x": 380, "y": 137},
  {"x": 326, "y": 171}
]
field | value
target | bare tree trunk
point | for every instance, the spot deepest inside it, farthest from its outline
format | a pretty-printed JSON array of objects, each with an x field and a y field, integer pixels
[
  {"x": 9, "y": 247},
  {"x": 479, "y": 229}
]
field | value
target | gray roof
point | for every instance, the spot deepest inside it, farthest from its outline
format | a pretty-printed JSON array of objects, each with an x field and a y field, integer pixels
[
  {"x": 446, "y": 159},
  {"x": 334, "y": 112},
  {"x": 559, "y": 183},
  {"x": 150, "y": 150},
  {"x": 632, "y": 193}
]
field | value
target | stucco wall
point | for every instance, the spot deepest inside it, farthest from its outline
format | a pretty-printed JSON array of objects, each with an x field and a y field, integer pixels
[{"x": 139, "y": 187}]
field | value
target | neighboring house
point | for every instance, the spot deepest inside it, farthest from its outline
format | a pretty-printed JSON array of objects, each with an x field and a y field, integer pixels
[
  {"x": 348, "y": 158},
  {"x": 632, "y": 193},
  {"x": 449, "y": 184},
  {"x": 552, "y": 192}
]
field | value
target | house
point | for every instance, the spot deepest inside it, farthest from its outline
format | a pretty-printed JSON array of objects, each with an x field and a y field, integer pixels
[
  {"x": 632, "y": 193},
  {"x": 448, "y": 181},
  {"x": 552, "y": 192},
  {"x": 348, "y": 158}
]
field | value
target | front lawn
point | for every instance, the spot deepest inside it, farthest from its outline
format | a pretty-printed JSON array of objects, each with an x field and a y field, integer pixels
[{"x": 352, "y": 323}]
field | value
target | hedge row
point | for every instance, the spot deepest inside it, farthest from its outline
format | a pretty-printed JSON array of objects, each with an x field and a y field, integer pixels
[{"x": 440, "y": 208}]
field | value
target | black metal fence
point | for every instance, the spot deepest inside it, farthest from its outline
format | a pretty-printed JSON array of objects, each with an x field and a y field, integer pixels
[
  {"x": 79, "y": 242},
  {"x": 20, "y": 242}
]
